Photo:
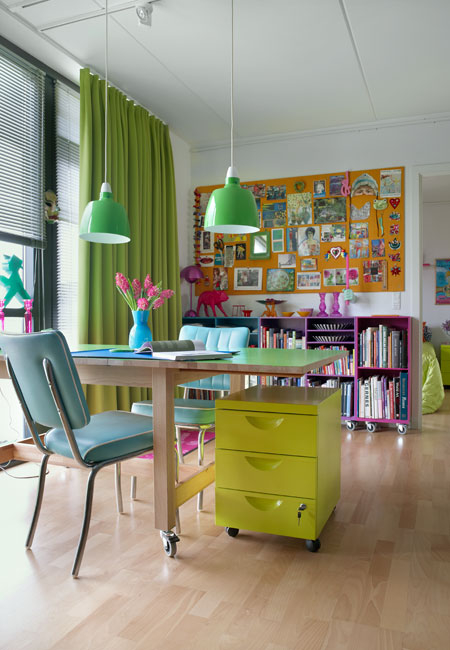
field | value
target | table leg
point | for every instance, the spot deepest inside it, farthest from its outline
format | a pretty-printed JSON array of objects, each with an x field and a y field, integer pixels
[
  {"x": 163, "y": 441},
  {"x": 237, "y": 383}
]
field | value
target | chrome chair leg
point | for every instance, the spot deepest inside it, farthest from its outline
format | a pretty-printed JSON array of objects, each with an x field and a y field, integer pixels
[
  {"x": 201, "y": 455},
  {"x": 133, "y": 487},
  {"x": 86, "y": 521},
  {"x": 118, "y": 481},
  {"x": 39, "y": 496},
  {"x": 179, "y": 447}
]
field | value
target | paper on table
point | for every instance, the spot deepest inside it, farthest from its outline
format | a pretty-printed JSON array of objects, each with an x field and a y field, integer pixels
[
  {"x": 169, "y": 346},
  {"x": 192, "y": 355}
]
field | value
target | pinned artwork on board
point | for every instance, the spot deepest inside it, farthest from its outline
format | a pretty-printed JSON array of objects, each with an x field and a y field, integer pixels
[
  {"x": 291, "y": 240},
  {"x": 330, "y": 210},
  {"x": 319, "y": 189},
  {"x": 395, "y": 216},
  {"x": 360, "y": 214},
  {"x": 228, "y": 238},
  {"x": 287, "y": 261},
  {"x": 247, "y": 279},
  {"x": 374, "y": 271},
  {"x": 394, "y": 203},
  {"x": 274, "y": 214},
  {"x": 257, "y": 189},
  {"x": 359, "y": 231},
  {"x": 220, "y": 279},
  {"x": 280, "y": 280},
  {"x": 308, "y": 264},
  {"x": 309, "y": 241},
  {"x": 378, "y": 248},
  {"x": 395, "y": 270},
  {"x": 277, "y": 240},
  {"x": 394, "y": 229},
  {"x": 380, "y": 204},
  {"x": 335, "y": 252},
  {"x": 335, "y": 184},
  {"x": 395, "y": 244},
  {"x": 241, "y": 251},
  {"x": 443, "y": 282},
  {"x": 299, "y": 209},
  {"x": 228, "y": 260},
  {"x": 299, "y": 186},
  {"x": 274, "y": 192},
  {"x": 365, "y": 185},
  {"x": 309, "y": 280},
  {"x": 207, "y": 242},
  {"x": 333, "y": 233},
  {"x": 359, "y": 248},
  {"x": 203, "y": 202},
  {"x": 394, "y": 257},
  {"x": 390, "y": 182},
  {"x": 206, "y": 260}
]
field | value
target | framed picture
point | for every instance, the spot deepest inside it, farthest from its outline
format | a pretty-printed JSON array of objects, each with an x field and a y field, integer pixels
[
  {"x": 319, "y": 188},
  {"x": 260, "y": 245},
  {"x": 278, "y": 240},
  {"x": 274, "y": 214},
  {"x": 442, "y": 282},
  {"x": 309, "y": 241},
  {"x": 308, "y": 264},
  {"x": 330, "y": 210},
  {"x": 308, "y": 280},
  {"x": 280, "y": 280},
  {"x": 246, "y": 279},
  {"x": 207, "y": 242}
]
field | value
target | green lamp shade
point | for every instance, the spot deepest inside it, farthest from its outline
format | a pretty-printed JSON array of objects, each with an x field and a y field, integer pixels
[
  {"x": 105, "y": 221},
  {"x": 232, "y": 209}
]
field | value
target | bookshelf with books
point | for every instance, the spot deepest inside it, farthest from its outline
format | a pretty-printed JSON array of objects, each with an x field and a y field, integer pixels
[
  {"x": 331, "y": 333},
  {"x": 285, "y": 333},
  {"x": 382, "y": 381}
]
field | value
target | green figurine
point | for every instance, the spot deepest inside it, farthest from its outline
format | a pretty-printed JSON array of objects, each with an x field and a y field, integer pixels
[{"x": 13, "y": 283}]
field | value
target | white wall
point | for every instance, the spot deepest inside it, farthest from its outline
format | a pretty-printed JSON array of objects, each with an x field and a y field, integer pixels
[
  {"x": 415, "y": 145},
  {"x": 436, "y": 244}
]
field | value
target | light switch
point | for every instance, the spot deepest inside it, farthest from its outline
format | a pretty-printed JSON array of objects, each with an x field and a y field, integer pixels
[{"x": 396, "y": 300}]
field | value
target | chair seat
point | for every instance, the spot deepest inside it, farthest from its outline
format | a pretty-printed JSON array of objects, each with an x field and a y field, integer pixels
[
  {"x": 108, "y": 435},
  {"x": 187, "y": 411},
  {"x": 217, "y": 382}
]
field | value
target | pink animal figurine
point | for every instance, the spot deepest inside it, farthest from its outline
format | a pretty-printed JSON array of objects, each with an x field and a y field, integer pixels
[{"x": 211, "y": 299}]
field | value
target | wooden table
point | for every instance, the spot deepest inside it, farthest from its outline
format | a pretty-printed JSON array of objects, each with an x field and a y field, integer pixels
[{"x": 163, "y": 377}]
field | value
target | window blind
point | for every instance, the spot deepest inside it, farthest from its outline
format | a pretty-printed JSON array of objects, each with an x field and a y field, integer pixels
[
  {"x": 67, "y": 103},
  {"x": 21, "y": 151}
]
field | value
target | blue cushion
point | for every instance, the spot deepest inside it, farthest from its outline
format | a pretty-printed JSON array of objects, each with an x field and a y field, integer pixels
[
  {"x": 187, "y": 411},
  {"x": 108, "y": 435}
]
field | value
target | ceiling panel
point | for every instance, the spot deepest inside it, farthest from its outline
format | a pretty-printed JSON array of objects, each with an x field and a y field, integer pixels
[{"x": 299, "y": 64}]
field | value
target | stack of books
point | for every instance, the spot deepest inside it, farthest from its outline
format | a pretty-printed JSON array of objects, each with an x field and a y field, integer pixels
[
  {"x": 383, "y": 347},
  {"x": 383, "y": 398}
]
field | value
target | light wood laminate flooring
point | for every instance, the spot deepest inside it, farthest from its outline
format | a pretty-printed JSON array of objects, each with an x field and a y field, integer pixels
[{"x": 380, "y": 582}]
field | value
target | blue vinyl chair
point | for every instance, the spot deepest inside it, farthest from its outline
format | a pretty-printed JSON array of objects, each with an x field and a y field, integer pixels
[
  {"x": 49, "y": 390},
  {"x": 199, "y": 414}
]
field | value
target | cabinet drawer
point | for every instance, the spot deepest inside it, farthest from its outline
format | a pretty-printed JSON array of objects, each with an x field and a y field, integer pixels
[
  {"x": 279, "y": 433},
  {"x": 265, "y": 513},
  {"x": 276, "y": 474}
]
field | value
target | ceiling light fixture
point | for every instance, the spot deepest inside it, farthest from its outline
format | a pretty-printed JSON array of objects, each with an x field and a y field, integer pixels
[
  {"x": 105, "y": 221},
  {"x": 144, "y": 12},
  {"x": 232, "y": 209}
]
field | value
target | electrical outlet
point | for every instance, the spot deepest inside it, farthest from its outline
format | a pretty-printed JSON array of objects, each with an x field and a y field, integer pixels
[{"x": 396, "y": 300}]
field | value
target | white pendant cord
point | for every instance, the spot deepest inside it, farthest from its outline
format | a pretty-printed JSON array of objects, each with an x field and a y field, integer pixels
[
  {"x": 106, "y": 90},
  {"x": 232, "y": 83}
]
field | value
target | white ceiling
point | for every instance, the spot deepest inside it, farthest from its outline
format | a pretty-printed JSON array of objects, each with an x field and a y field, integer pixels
[{"x": 299, "y": 64}]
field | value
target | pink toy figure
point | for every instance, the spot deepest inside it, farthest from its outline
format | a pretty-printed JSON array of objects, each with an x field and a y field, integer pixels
[
  {"x": 322, "y": 311},
  {"x": 335, "y": 311},
  {"x": 211, "y": 299},
  {"x": 28, "y": 304},
  {"x": 2, "y": 315}
]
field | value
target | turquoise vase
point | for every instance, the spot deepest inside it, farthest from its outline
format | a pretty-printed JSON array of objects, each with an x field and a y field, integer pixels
[{"x": 140, "y": 332}]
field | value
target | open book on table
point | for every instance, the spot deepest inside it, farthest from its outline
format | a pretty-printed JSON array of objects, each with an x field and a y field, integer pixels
[{"x": 185, "y": 350}]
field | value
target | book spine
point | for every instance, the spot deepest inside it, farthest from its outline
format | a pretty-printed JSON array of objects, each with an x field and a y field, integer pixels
[{"x": 403, "y": 396}]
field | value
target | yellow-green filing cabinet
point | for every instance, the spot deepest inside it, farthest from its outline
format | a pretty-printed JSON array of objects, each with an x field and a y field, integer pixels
[
  {"x": 278, "y": 460},
  {"x": 445, "y": 364}
]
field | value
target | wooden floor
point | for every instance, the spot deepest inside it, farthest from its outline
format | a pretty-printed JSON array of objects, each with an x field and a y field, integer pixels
[{"x": 381, "y": 580}]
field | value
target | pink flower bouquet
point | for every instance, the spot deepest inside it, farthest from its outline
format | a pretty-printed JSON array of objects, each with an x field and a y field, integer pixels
[{"x": 142, "y": 297}]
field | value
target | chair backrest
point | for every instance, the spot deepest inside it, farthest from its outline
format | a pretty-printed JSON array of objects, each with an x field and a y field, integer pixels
[
  {"x": 225, "y": 339},
  {"x": 26, "y": 353}
]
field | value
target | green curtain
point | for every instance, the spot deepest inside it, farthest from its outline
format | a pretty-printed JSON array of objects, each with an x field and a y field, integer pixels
[{"x": 141, "y": 174}]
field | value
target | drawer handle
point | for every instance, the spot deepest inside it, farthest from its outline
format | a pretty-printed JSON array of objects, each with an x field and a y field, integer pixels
[
  {"x": 263, "y": 464},
  {"x": 264, "y": 423},
  {"x": 260, "y": 503}
]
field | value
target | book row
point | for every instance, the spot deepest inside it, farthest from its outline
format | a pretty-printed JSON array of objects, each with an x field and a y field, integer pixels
[
  {"x": 383, "y": 347},
  {"x": 382, "y": 397}
]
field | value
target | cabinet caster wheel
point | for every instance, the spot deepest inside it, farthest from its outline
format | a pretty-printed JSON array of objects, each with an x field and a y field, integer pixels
[
  {"x": 169, "y": 540},
  {"x": 313, "y": 545},
  {"x": 351, "y": 426},
  {"x": 232, "y": 532},
  {"x": 402, "y": 429},
  {"x": 371, "y": 427}
]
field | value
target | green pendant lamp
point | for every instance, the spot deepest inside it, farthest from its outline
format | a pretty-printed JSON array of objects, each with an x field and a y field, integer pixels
[
  {"x": 232, "y": 209},
  {"x": 105, "y": 221}
]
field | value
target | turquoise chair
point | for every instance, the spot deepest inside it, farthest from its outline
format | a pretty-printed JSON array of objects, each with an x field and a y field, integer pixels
[
  {"x": 49, "y": 391},
  {"x": 199, "y": 414}
]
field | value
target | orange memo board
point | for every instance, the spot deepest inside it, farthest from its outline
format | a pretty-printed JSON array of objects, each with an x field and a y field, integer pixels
[{"x": 310, "y": 224}]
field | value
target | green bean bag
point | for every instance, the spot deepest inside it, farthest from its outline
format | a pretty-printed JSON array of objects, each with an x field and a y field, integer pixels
[{"x": 432, "y": 388}]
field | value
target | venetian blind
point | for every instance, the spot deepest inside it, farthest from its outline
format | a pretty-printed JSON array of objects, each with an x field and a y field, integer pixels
[
  {"x": 67, "y": 182},
  {"x": 21, "y": 151}
]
